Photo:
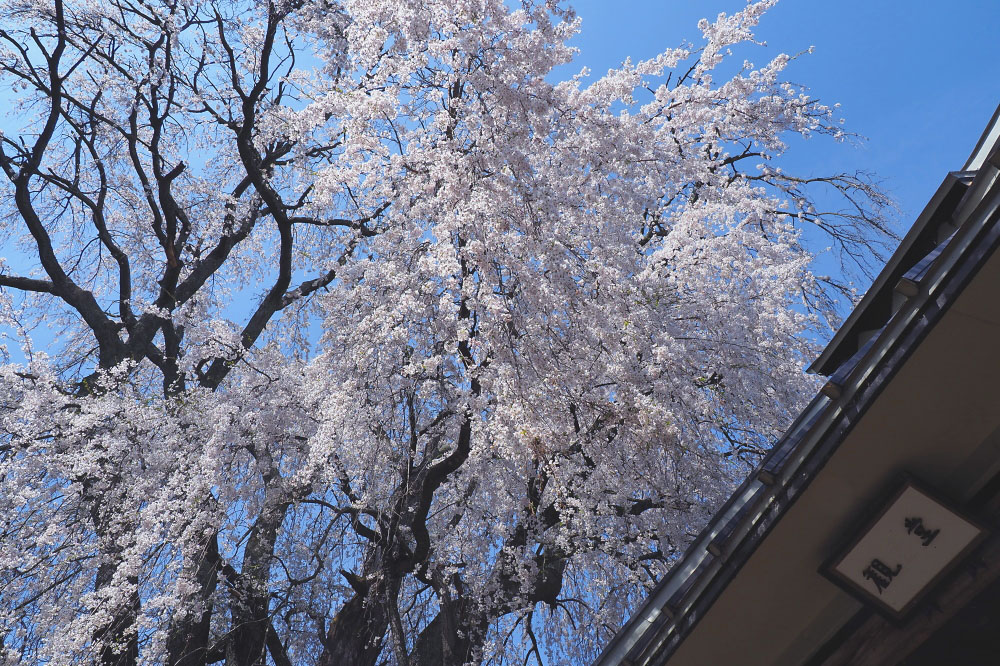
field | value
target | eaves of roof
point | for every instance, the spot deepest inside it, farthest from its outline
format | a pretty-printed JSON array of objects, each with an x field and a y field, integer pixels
[{"x": 932, "y": 226}]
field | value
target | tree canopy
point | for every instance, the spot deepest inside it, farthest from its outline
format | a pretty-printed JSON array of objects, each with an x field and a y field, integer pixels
[{"x": 373, "y": 342}]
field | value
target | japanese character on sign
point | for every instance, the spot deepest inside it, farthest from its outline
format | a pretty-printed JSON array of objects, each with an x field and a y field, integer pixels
[
  {"x": 879, "y": 573},
  {"x": 916, "y": 526}
]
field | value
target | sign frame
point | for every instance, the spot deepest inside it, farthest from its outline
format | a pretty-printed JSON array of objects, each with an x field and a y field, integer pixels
[{"x": 861, "y": 528}]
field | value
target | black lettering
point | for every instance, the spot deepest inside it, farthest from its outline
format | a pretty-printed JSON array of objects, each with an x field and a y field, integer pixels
[
  {"x": 880, "y": 583},
  {"x": 883, "y": 568},
  {"x": 916, "y": 527},
  {"x": 880, "y": 574}
]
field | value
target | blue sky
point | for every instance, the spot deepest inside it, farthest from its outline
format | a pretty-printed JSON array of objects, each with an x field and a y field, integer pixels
[{"x": 919, "y": 79}]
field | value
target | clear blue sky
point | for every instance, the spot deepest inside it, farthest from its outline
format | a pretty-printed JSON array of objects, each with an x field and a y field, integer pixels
[{"x": 919, "y": 79}]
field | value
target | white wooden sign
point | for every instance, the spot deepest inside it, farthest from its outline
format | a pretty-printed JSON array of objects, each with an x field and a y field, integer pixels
[{"x": 907, "y": 547}]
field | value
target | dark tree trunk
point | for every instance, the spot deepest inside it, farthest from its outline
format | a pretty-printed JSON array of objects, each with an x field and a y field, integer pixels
[
  {"x": 355, "y": 637},
  {"x": 453, "y": 638},
  {"x": 187, "y": 640},
  {"x": 251, "y": 597}
]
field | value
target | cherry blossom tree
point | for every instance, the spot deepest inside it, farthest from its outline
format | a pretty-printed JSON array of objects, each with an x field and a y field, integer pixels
[{"x": 369, "y": 343}]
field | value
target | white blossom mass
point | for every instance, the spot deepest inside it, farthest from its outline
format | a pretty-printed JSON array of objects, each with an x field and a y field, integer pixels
[{"x": 350, "y": 336}]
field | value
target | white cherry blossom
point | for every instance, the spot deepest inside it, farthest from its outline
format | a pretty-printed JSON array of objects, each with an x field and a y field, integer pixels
[{"x": 373, "y": 344}]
